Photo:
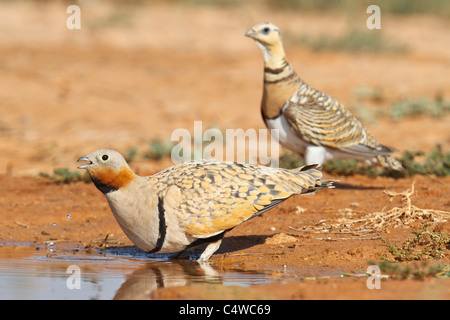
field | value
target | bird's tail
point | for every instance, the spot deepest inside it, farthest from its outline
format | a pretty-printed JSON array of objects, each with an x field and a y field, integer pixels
[
  {"x": 311, "y": 178},
  {"x": 390, "y": 162}
]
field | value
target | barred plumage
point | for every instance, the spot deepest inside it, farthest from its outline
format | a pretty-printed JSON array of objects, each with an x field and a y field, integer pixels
[
  {"x": 310, "y": 122},
  {"x": 193, "y": 202}
]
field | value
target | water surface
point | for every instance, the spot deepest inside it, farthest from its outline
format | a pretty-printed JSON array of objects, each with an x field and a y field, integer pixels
[{"x": 30, "y": 271}]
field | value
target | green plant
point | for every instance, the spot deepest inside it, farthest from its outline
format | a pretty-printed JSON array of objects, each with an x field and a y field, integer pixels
[
  {"x": 118, "y": 17},
  {"x": 290, "y": 160},
  {"x": 436, "y": 162},
  {"x": 369, "y": 93},
  {"x": 367, "y": 101},
  {"x": 416, "y": 271},
  {"x": 131, "y": 154},
  {"x": 426, "y": 244},
  {"x": 64, "y": 175},
  {"x": 349, "y": 167},
  {"x": 354, "y": 40},
  {"x": 159, "y": 149},
  {"x": 397, "y": 7},
  {"x": 436, "y": 107}
]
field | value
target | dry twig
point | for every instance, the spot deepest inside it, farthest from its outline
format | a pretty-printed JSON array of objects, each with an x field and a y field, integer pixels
[{"x": 377, "y": 221}]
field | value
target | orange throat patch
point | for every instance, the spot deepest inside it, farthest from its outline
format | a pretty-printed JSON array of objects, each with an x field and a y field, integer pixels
[{"x": 108, "y": 179}]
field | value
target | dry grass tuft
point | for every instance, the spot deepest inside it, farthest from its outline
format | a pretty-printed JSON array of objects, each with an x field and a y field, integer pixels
[{"x": 358, "y": 223}]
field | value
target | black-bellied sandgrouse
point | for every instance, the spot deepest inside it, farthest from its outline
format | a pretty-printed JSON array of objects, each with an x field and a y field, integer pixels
[{"x": 192, "y": 202}]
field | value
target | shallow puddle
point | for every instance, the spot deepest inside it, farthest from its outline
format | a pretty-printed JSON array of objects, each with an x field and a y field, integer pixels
[{"x": 50, "y": 272}]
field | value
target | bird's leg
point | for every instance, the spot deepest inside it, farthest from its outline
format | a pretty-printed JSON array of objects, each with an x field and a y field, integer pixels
[
  {"x": 209, "y": 272},
  {"x": 209, "y": 251},
  {"x": 213, "y": 244},
  {"x": 315, "y": 155}
]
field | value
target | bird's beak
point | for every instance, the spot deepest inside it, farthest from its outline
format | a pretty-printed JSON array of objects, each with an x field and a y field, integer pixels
[
  {"x": 250, "y": 33},
  {"x": 84, "y": 166}
]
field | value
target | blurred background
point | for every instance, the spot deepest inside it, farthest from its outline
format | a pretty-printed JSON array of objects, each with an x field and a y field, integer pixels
[{"x": 138, "y": 70}]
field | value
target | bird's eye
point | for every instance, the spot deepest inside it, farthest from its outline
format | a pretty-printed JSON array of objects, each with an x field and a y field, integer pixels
[
  {"x": 105, "y": 157},
  {"x": 266, "y": 30}
]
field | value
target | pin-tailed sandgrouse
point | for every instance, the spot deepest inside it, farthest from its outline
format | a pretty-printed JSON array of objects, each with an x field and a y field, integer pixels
[{"x": 310, "y": 122}]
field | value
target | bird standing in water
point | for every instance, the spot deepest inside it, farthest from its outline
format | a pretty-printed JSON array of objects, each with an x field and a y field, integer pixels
[{"x": 193, "y": 202}]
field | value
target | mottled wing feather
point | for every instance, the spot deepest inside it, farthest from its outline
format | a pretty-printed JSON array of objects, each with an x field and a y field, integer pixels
[
  {"x": 322, "y": 120},
  {"x": 218, "y": 196}
]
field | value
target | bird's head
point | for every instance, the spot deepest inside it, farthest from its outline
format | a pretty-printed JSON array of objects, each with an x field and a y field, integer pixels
[
  {"x": 268, "y": 37},
  {"x": 108, "y": 170},
  {"x": 266, "y": 33}
]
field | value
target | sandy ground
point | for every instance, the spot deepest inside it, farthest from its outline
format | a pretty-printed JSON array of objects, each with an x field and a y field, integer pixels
[{"x": 136, "y": 74}]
